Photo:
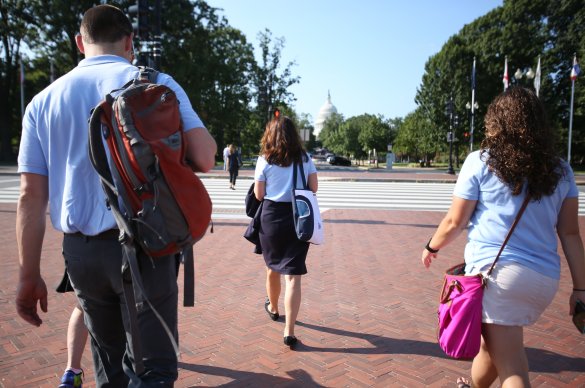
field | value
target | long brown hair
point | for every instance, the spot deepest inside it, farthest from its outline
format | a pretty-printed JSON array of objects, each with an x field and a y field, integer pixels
[
  {"x": 281, "y": 144},
  {"x": 519, "y": 146}
]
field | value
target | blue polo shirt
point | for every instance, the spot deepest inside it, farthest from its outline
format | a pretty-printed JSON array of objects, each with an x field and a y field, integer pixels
[
  {"x": 534, "y": 241},
  {"x": 55, "y": 137}
]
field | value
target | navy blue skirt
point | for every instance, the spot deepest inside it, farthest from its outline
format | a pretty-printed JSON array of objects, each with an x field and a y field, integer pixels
[{"x": 283, "y": 252}]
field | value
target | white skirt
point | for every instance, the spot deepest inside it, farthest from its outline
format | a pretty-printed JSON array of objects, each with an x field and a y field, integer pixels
[{"x": 515, "y": 294}]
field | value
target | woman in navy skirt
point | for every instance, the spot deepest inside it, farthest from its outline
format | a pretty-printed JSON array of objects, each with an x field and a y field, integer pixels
[{"x": 283, "y": 252}]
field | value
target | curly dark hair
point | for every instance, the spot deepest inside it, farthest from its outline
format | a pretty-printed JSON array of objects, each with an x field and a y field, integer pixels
[
  {"x": 519, "y": 146},
  {"x": 281, "y": 143}
]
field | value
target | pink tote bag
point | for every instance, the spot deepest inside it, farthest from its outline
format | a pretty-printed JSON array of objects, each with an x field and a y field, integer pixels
[{"x": 460, "y": 313}]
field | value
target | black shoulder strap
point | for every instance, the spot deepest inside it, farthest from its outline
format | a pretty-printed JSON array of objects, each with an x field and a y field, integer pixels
[
  {"x": 303, "y": 179},
  {"x": 188, "y": 276},
  {"x": 99, "y": 160},
  {"x": 147, "y": 74}
]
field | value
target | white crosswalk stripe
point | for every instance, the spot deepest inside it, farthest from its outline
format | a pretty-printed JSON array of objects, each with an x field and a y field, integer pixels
[
  {"x": 358, "y": 195},
  {"x": 332, "y": 195},
  {"x": 9, "y": 194}
]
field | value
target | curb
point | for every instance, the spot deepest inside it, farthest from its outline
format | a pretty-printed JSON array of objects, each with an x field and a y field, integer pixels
[{"x": 359, "y": 175}]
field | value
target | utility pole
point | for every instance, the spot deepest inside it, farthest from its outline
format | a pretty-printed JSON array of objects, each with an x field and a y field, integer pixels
[{"x": 145, "y": 16}]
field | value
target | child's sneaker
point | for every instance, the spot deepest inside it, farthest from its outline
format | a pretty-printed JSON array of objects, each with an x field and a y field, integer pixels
[{"x": 71, "y": 379}]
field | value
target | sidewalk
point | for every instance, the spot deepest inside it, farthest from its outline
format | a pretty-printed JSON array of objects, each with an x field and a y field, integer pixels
[{"x": 368, "y": 314}]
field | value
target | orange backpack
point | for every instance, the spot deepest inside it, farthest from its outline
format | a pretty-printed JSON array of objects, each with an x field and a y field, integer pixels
[{"x": 156, "y": 198}]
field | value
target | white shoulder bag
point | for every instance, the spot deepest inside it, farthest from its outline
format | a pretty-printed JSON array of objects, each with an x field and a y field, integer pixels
[{"x": 306, "y": 214}]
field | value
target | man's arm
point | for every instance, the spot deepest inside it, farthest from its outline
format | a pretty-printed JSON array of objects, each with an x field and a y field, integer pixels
[
  {"x": 30, "y": 231},
  {"x": 201, "y": 149}
]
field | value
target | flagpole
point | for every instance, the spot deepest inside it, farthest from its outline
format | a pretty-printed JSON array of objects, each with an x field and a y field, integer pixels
[
  {"x": 575, "y": 70},
  {"x": 506, "y": 80},
  {"x": 571, "y": 121},
  {"x": 21, "y": 88},
  {"x": 472, "y": 106}
]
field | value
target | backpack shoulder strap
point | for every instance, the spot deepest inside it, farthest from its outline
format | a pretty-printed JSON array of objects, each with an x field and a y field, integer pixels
[
  {"x": 303, "y": 179},
  {"x": 99, "y": 160},
  {"x": 147, "y": 74}
]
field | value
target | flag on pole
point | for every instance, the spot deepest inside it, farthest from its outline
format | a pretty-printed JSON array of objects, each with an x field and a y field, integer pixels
[
  {"x": 537, "y": 78},
  {"x": 506, "y": 80},
  {"x": 575, "y": 70}
]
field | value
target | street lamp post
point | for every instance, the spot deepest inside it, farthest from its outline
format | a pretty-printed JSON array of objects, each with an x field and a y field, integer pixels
[
  {"x": 472, "y": 106},
  {"x": 449, "y": 110},
  {"x": 455, "y": 139},
  {"x": 521, "y": 73}
]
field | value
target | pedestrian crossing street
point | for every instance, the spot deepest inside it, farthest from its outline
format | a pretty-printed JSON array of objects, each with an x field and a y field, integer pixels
[{"x": 332, "y": 194}]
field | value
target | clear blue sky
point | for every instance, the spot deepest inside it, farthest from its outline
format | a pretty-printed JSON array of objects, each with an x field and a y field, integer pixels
[{"x": 370, "y": 54}]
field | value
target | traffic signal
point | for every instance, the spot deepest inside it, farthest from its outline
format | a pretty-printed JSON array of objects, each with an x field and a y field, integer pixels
[
  {"x": 466, "y": 135},
  {"x": 138, "y": 14},
  {"x": 449, "y": 107}
]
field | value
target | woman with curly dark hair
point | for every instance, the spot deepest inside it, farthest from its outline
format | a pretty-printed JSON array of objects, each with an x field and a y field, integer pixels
[
  {"x": 284, "y": 253},
  {"x": 516, "y": 159}
]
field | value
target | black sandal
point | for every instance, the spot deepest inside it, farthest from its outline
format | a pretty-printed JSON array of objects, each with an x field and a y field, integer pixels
[
  {"x": 273, "y": 316},
  {"x": 462, "y": 382},
  {"x": 290, "y": 341}
]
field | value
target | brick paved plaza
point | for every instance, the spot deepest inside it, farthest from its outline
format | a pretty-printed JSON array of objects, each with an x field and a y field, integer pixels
[{"x": 368, "y": 313}]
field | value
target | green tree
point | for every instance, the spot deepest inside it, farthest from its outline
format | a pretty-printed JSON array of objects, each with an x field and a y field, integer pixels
[
  {"x": 330, "y": 135},
  {"x": 417, "y": 138},
  {"x": 271, "y": 86},
  {"x": 216, "y": 63},
  {"x": 447, "y": 76},
  {"x": 374, "y": 133},
  {"x": 520, "y": 30},
  {"x": 349, "y": 137},
  {"x": 566, "y": 36},
  {"x": 60, "y": 24},
  {"x": 18, "y": 28},
  {"x": 393, "y": 128}
]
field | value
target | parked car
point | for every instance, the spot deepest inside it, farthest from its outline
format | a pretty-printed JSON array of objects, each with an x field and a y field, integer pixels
[
  {"x": 339, "y": 161},
  {"x": 250, "y": 161}
]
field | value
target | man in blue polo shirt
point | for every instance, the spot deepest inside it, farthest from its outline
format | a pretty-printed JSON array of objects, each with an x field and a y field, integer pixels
[{"x": 56, "y": 171}]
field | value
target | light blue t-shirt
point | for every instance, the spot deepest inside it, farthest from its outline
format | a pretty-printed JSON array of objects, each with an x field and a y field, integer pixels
[
  {"x": 279, "y": 179},
  {"x": 534, "y": 241},
  {"x": 55, "y": 134}
]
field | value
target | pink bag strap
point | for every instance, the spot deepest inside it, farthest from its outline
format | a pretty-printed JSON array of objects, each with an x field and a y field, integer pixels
[{"x": 518, "y": 216}]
